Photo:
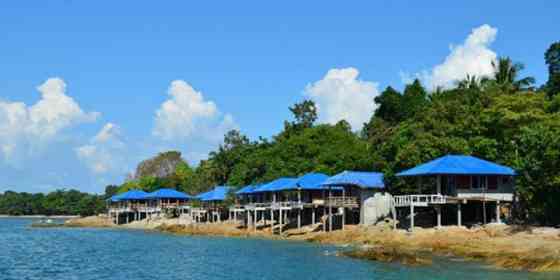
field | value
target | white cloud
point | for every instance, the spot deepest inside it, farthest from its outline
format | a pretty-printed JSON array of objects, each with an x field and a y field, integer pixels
[
  {"x": 473, "y": 57},
  {"x": 105, "y": 151},
  {"x": 341, "y": 95},
  {"x": 187, "y": 116},
  {"x": 25, "y": 130}
]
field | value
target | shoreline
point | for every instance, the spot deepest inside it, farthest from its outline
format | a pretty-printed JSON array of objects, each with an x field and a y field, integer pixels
[{"x": 501, "y": 246}]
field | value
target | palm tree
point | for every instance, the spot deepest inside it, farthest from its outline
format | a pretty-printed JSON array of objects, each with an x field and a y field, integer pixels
[
  {"x": 506, "y": 74},
  {"x": 471, "y": 82}
]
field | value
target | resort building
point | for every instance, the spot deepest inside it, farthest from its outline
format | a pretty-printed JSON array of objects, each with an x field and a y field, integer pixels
[
  {"x": 309, "y": 200},
  {"x": 126, "y": 206},
  {"x": 167, "y": 201},
  {"x": 360, "y": 197},
  {"x": 135, "y": 205},
  {"x": 466, "y": 189},
  {"x": 212, "y": 205}
]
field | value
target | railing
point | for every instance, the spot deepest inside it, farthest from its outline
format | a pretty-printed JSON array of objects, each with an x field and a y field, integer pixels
[
  {"x": 339, "y": 201},
  {"x": 419, "y": 200}
]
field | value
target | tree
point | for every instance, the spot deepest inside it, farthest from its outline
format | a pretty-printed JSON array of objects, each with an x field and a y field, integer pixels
[
  {"x": 414, "y": 99},
  {"x": 305, "y": 113},
  {"x": 111, "y": 190},
  {"x": 185, "y": 175},
  {"x": 552, "y": 58},
  {"x": 389, "y": 105},
  {"x": 506, "y": 75}
]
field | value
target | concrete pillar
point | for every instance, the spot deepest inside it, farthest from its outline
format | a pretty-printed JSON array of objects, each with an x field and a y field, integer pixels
[
  {"x": 313, "y": 215},
  {"x": 438, "y": 211},
  {"x": 256, "y": 219},
  {"x": 330, "y": 210},
  {"x": 298, "y": 218},
  {"x": 459, "y": 218},
  {"x": 498, "y": 218},
  {"x": 411, "y": 216},
  {"x": 280, "y": 221},
  {"x": 344, "y": 209}
]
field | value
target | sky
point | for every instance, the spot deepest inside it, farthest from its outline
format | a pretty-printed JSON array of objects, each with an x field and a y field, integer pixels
[{"x": 90, "y": 88}]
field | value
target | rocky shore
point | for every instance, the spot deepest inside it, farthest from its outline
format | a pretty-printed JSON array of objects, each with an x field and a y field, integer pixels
[{"x": 508, "y": 247}]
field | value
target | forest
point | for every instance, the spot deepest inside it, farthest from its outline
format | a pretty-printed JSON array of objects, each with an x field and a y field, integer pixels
[{"x": 505, "y": 118}]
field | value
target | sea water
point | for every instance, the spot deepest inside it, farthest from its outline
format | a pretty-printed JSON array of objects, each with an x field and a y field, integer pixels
[{"x": 79, "y": 253}]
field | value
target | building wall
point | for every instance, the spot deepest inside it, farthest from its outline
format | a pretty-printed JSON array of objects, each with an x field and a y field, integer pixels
[{"x": 494, "y": 187}]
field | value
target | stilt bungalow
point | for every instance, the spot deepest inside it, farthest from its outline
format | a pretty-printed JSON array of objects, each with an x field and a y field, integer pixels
[
  {"x": 127, "y": 206},
  {"x": 313, "y": 197},
  {"x": 358, "y": 191},
  {"x": 167, "y": 201},
  {"x": 212, "y": 205},
  {"x": 135, "y": 205},
  {"x": 243, "y": 197},
  {"x": 466, "y": 189},
  {"x": 284, "y": 202}
]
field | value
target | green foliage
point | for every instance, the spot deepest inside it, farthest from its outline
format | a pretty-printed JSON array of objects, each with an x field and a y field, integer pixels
[
  {"x": 552, "y": 59},
  {"x": 506, "y": 76},
  {"x": 305, "y": 113},
  {"x": 389, "y": 106},
  {"x": 60, "y": 202},
  {"x": 414, "y": 99}
]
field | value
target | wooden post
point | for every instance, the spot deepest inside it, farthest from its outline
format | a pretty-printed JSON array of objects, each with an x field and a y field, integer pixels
[
  {"x": 459, "y": 214},
  {"x": 411, "y": 216}
]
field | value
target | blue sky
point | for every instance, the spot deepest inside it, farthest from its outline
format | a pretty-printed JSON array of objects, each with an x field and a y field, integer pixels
[{"x": 122, "y": 81}]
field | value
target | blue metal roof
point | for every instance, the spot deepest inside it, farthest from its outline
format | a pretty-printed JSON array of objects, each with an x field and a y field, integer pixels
[
  {"x": 312, "y": 181},
  {"x": 458, "y": 165},
  {"x": 280, "y": 184},
  {"x": 130, "y": 195},
  {"x": 247, "y": 189},
  {"x": 167, "y": 194},
  {"x": 219, "y": 193},
  {"x": 365, "y": 180}
]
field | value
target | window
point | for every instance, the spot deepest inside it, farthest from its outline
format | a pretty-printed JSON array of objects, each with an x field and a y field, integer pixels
[
  {"x": 492, "y": 182},
  {"x": 463, "y": 182}
]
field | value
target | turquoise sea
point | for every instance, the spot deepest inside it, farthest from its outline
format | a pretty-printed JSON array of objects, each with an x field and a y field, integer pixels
[{"x": 61, "y": 253}]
